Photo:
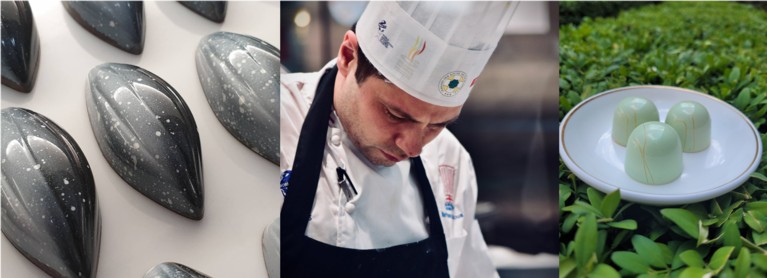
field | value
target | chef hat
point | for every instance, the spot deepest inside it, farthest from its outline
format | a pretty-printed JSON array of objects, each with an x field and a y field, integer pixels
[{"x": 434, "y": 51}]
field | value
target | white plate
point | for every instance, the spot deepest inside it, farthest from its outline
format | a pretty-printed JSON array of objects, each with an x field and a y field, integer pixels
[{"x": 587, "y": 148}]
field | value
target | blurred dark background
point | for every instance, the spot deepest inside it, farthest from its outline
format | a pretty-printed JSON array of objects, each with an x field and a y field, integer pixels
[{"x": 509, "y": 125}]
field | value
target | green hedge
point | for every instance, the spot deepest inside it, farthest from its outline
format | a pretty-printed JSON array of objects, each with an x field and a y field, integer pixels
[
  {"x": 573, "y": 12},
  {"x": 717, "y": 48}
]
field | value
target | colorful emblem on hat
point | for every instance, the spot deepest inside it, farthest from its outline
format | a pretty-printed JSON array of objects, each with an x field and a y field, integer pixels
[
  {"x": 452, "y": 83},
  {"x": 418, "y": 47}
]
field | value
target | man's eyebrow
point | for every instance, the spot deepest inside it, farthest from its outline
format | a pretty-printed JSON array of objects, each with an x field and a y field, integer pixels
[{"x": 407, "y": 117}]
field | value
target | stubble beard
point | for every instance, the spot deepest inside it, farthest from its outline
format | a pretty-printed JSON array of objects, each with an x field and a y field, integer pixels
[
  {"x": 372, "y": 153},
  {"x": 348, "y": 115}
]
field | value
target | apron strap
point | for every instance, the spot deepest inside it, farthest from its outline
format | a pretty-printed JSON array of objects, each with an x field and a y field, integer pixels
[
  {"x": 436, "y": 232},
  {"x": 308, "y": 163}
]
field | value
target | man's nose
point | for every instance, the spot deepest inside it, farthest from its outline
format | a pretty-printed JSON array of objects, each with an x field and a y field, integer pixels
[{"x": 411, "y": 141}]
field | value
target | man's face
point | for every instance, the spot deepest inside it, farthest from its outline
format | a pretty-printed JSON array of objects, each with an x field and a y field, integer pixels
[{"x": 384, "y": 122}]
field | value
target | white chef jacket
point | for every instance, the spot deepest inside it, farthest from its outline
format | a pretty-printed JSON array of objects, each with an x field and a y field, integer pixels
[{"x": 387, "y": 210}]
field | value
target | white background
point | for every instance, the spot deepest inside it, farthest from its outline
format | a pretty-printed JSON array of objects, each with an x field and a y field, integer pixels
[{"x": 241, "y": 189}]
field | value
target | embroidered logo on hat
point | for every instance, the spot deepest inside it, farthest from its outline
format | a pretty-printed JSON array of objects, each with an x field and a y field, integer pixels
[
  {"x": 452, "y": 83},
  {"x": 381, "y": 36},
  {"x": 418, "y": 47}
]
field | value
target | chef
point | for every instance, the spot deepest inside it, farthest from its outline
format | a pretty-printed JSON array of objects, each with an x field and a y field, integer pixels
[{"x": 374, "y": 184}]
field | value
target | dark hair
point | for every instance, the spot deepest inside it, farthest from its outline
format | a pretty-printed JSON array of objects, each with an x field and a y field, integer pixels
[{"x": 364, "y": 68}]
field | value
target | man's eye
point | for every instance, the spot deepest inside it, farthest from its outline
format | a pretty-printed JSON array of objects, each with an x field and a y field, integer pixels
[{"x": 392, "y": 116}]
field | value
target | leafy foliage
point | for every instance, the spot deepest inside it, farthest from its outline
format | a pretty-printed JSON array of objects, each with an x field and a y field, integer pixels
[
  {"x": 715, "y": 47},
  {"x": 573, "y": 12}
]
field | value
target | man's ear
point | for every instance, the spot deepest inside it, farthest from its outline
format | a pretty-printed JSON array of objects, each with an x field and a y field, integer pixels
[{"x": 347, "y": 54}]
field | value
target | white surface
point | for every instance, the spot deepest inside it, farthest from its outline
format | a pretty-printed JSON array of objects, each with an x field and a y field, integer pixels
[
  {"x": 586, "y": 147},
  {"x": 506, "y": 258},
  {"x": 241, "y": 189}
]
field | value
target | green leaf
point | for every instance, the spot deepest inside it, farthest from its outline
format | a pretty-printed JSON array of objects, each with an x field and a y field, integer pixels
[
  {"x": 698, "y": 209},
  {"x": 720, "y": 257},
  {"x": 595, "y": 198},
  {"x": 628, "y": 224},
  {"x": 715, "y": 208},
  {"x": 743, "y": 263},
  {"x": 759, "y": 176},
  {"x": 610, "y": 203},
  {"x": 681, "y": 248},
  {"x": 759, "y": 238},
  {"x": 702, "y": 233},
  {"x": 581, "y": 207},
  {"x": 564, "y": 192},
  {"x": 726, "y": 273},
  {"x": 569, "y": 222},
  {"x": 564, "y": 84},
  {"x": 666, "y": 254},
  {"x": 734, "y": 76},
  {"x": 743, "y": 98},
  {"x": 630, "y": 262},
  {"x": 729, "y": 211},
  {"x": 759, "y": 260},
  {"x": 694, "y": 272},
  {"x": 601, "y": 240},
  {"x": 687, "y": 221},
  {"x": 566, "y": 267},
  {"x": 604, "y": 271},
  {"x": 683, "y": 218},
  {"x": 586, "y": 243},
  {"x": 760, "y": 206},
  {"x": 648, "y": 250},
  {"x": 709, "y": 222},
  {"x": 750, "y": 245},
  {"x": 692, "y": 258},
  {"x": 731, "y": 235},
  {"x": 753, "y": 222}
]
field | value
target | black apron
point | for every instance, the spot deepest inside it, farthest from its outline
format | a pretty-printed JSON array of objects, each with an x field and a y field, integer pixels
[{"x": 302, "y": 256}]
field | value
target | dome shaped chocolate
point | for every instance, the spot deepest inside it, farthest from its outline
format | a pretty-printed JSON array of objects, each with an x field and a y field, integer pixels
[
  {"x": 654, "y": 154},
  {"x": 693, "y": 124},
  {"x": 630, "y": 113}
]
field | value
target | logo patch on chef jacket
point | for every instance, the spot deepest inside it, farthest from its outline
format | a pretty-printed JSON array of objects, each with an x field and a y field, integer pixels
[
  {"x": 447, "y": 176},
  {"x": 284, "y": 180}
]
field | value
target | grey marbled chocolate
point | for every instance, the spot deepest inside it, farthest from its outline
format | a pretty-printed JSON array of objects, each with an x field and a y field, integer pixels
[
  {"x": 148, "y": 135},
  {"x": 173, "y": 270},
  {"x": 212, "y": 10},
  {"x": 240, "y": 75},
  {"x": 49, "y": 205},
  {"x": 20, "y": 46},
  {"x": 119, "y": 23}
]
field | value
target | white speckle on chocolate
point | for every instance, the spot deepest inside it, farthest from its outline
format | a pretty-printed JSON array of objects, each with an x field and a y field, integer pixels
[
  {"x": 148, "y": 162},
  {"x": 240, "y": 83}
]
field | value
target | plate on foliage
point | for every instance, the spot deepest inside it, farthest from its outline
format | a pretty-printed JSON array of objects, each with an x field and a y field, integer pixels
[{"x": 587, "y": 148}]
